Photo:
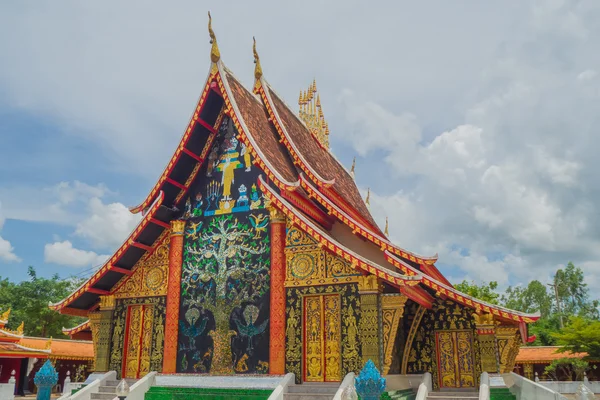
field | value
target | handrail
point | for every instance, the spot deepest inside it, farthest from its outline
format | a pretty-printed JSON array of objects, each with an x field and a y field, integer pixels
[
  {"x": 281, "y": 389},
  {"x": 525, "y": 389},
  {"x": 425, "y": 387},
  {"x": 86, "y": 392},
  {"x": 138, "y": 390},
  {"x": 348, "y": 381},
  {"x": 484, "y": 386}
]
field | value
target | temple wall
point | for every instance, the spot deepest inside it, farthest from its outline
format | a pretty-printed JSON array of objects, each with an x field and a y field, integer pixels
[{"x": 224, "y": 298}]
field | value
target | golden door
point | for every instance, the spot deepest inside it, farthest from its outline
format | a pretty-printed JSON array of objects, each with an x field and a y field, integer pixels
[
  {"x": 138, "y": 341},
  {"x": 455, "y": 359},
  {"x": 321, "y": 334}
]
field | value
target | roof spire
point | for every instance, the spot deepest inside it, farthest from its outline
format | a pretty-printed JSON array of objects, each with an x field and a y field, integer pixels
[
  {"x": 215, "y": 54},
  {"x": 257, "y": 68},
  {"x": 311, "y": 113},
  {"x": 368, "y": 199},
  {"x": 5, "y": 315},
  {"x": 387, "y": 226},
  {"x": 353, "y": 167}
]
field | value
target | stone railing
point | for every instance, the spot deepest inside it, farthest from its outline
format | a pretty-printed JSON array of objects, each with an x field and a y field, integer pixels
[
  {"x": 7, "y": 390},
  {"x": 95, "y": 381},
  {"x": 425, "y": 387},
  {"x": 525, "y": 389},
  {"x": 570, "y": 387},
  {"x": 484, "y": 386},
  {"x": 282, "y": 388},
  {"x": 348, "y": 381},
  {"x": 138, "y": 390}
]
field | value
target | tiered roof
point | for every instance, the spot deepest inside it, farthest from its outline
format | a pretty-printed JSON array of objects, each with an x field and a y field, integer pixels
[{"x": 301, "y": 178}]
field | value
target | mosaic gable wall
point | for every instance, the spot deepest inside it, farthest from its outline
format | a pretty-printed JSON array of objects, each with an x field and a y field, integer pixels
[
  {"x": 224, "y": 311},
  {"x": 453, "y": 327}
]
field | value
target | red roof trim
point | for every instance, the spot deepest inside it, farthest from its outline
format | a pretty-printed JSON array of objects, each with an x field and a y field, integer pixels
[
  {"x": 453, "y": 294},
  {"x": 309, "y": 208},
  {"x": 61, "y": 305},
  {"x": 184, "y": 139},
  {"x": 357, "y": 227},
  {"x": 76, "y": 329},
  {"x": 246, "y": 137},
  {"x": 326, "y": 242},
  {"x": 287, "y": 140}
]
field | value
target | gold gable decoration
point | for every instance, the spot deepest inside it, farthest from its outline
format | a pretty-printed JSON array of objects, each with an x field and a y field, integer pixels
[
  {"x": 5, "y": 315},
  {"x": 150, "y": 275},
  {"x": 308, "y": 264},
  {"x": 312, "y": 114}
]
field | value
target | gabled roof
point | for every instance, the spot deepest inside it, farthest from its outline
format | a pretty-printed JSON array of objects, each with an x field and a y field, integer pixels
[
  {"x": 543, "y": 354},
  {"x": 139, "y": 242},
  {"x": 84, "y": 326}
]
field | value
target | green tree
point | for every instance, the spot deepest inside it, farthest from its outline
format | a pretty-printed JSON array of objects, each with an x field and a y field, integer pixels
[
  {"x": 485, "y": 291},
  {"x": 29, "y": 302},
  {"x": 580, "y": 336},
  {"x": 534, "y": 297},
  {"x": 573, "y": 293},
  {"x": 566, "y": 368}
]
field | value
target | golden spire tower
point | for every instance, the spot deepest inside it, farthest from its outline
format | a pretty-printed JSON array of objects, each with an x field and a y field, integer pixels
[{"x": 312, "y": 114}]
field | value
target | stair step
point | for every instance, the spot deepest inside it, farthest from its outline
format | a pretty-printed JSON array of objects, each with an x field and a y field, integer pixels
[
  {"x": 103, "y": 396},
  {"x": 304, "y": 388},
  {"x": 114, "y": 383},
  {"x": 308, "y": 396},
  {"x": 107, "y": 389}
]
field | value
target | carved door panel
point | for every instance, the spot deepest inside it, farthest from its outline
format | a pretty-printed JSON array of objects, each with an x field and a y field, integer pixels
[
  {"x": 138, "y": 341},
  {"x": 455, "y": 359},
  {"x": 322, "y": 337}
]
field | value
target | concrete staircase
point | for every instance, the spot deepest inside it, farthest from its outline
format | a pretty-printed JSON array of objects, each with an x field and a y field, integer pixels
[
  {"x": 454, "y": 395},
  {"x": 109, "y": 390},
  {"x": 312, "y": 391}
]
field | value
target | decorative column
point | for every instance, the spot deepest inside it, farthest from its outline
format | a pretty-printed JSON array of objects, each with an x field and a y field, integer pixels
[
  {"x": 173, "y": 297},
  {"x": 508, "y": 338},
  {"x": 486, "y": 335},
  {"x": 392, "y": 309},
  {"x": 369, "y": 290},
  {"x": 101, "y": 324},
  {"x": 528, "y": 371},
  {"x": 277, "y": 311}
]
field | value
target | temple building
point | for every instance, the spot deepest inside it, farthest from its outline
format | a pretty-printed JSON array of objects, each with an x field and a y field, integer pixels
[
  {"x": 256, "y": 254},
  {"x": 22, "y": 356}
]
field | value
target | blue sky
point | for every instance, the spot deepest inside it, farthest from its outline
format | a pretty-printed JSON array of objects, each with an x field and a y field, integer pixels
[{"x": 473, "y": 123}]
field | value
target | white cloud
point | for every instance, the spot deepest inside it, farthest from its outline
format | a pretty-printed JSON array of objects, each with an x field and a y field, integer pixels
[
  {"x": 107, "y": 225},
  {"x": 63, "y": 253},
  {"x": 511, "y": 192},
  {"x": 6, "y": 249}
]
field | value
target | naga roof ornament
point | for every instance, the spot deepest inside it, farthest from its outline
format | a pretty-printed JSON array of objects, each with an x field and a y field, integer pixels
[
  {"x": 387, "y": 225},
  {"x": 257, "y": 68},
  {"x": 312, "y": 114},
  {"x": 215, "y": 54},
  {"x": 353, "y": 167},
  {"x": 368, "y": 199}
]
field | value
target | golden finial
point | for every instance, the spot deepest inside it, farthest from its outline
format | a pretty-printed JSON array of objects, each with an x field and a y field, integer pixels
[
  {"x": 353, "y": 167},
  {"x": 318, "y": 101},
  {"x": 386, "y": 231},
  {"x": 300, "y": 98},
  {"x": 215, "y": 54},
  {"x": 21, "y": 328},
  {"x": 5, "y": 315},
  {"x": 48, "y": 344},
  {"x": 368, "y": 200},
  {"x": 314, "y": 85},
  {"x": 257, "y": 67}
]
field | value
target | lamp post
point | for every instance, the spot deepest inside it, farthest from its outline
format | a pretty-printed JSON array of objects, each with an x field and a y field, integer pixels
[{"x": 122, "y": 389}]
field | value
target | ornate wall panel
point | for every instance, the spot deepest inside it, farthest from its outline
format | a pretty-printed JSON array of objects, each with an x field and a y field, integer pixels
[
  {"x": 486, "y": 335},
  {"x": 102, "y": 327},
  {"x": 150, "y": 277},
  {"x": 392, "y": 309},
  {"x": 509, "y": 340},
  {"x": 308, "y": 264},
  {"x": 296, "y": 339},
  {"x": 369, "y": 327},
  {"x": 144, "y": 319},
  {"x": 444, "y": 316},
  {"x": 224, "y": 308}
]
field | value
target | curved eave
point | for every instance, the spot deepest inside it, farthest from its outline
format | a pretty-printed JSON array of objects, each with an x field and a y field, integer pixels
[
  {"x": 76, "y": 329},
  {"x": 334, "y": 247},
  {"x": 453, "y": 294},
  {"x": 12, "y": 336},
  {"x": 109, "y": 266},
  {"x": 43, "y": 351},
  {"x": 359, "y": 228},
  {"x": 233, "y": 111},
  {"x": 286, "y": 139},
  {"x": 181, "y": 149}
]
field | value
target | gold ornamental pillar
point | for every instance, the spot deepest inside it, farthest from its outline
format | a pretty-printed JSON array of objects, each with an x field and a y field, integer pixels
[
  {"x": 101, "y": 325},
  {"x": 509, "y": 341},
  {"x": 392, "y": 309},
  {"x": 369, "y": 290},
  {"x": 173, "y": 297},
  {"x": 486, "y": 335}
]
